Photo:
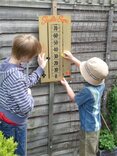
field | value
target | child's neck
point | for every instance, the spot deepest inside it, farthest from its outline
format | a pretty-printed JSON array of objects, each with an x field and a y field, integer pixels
[{"x": 14, "y": 61}]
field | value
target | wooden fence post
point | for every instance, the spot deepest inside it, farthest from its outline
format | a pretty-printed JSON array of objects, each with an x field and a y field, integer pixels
[
  {"x": 108, "y": 49},
  {"x": 51, "y": 97}
]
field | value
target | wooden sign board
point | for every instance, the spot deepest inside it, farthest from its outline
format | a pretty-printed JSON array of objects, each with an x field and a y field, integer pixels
[{"x": 55, "y": 37}]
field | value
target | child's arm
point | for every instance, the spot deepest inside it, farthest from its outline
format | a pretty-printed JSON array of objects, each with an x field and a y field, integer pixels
[
  {"x": 23, "y": 101},
  {"x": 69, "y": 56},
  {"x": 69, "y": 90}
]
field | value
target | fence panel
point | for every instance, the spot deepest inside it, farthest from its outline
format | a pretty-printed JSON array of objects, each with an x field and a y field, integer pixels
[{"x": 89, "y": 39}]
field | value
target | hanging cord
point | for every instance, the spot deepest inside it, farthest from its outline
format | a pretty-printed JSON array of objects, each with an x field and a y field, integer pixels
[
  {"x": 105, "y": 123},
  {"x": 27, "y": 72}
]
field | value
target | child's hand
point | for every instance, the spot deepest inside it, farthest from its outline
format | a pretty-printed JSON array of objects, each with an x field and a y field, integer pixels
[
  {"x": 29, "y": 91},
  {"x": 64, "y": 82},
  {"x": 42, "y": 61},
  {"x": 68, "y": 55}
]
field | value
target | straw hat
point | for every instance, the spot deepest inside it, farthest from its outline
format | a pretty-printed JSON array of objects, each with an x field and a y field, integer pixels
[{"x": 94, "y": 71}]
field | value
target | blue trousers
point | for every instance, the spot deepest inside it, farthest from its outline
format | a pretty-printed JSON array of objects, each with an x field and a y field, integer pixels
[{"x": 19, "y": 134}]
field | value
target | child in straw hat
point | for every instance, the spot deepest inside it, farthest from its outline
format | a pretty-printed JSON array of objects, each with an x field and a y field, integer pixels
[{"x": 94, "y": 71}]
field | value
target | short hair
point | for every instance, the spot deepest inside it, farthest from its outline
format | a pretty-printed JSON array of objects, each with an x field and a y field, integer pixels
[{"x": 25, "y": 45}]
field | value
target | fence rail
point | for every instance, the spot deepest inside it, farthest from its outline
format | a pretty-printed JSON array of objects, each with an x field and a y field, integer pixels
[{"x": 94, "y": 33}]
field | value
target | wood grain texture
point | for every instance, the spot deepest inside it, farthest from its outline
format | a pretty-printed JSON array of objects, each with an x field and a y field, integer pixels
[{"x": 89, "y": 37}]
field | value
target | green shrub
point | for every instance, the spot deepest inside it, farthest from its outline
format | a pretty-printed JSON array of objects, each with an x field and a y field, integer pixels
[
  {"x": 106, "y": 141},
  {"x": 112, "y": 110},
  {"x": 7, "y": 146}
]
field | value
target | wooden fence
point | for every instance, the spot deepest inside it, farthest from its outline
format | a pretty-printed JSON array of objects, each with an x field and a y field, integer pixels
[{"x": 94, "y": 33}]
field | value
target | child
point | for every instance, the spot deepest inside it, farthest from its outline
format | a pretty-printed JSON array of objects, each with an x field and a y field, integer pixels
[
  {"x": 94, "y": 71},
  {"x": 16, "y": 101}
]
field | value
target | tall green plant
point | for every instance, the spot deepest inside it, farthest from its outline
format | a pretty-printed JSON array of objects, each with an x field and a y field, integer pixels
[
  {"x": 112, "y": 110},
  {"x": 7, "y": 146}
]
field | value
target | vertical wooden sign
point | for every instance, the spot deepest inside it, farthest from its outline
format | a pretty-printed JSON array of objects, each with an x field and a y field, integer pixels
[{"x": 55, "y": 37}]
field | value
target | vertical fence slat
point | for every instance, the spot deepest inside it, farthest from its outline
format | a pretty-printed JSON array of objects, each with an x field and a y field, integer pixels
[
  {"x": 108, "y": 48},
  {"x": 51, "y": 97},
  {"x": 50, "y": 122}
]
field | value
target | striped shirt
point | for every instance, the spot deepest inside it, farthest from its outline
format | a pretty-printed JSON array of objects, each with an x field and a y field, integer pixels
[{"x": 15, "y": 102}]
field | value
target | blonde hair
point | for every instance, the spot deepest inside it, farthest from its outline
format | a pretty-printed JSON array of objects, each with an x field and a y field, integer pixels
[{"x": 25, "y": 46}]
